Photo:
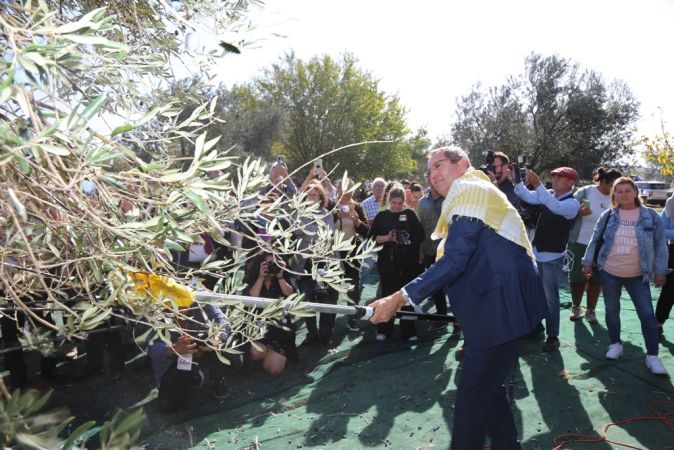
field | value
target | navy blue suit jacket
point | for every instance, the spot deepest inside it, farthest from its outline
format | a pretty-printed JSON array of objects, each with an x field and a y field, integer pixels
[{"x": 493, "y": 286}]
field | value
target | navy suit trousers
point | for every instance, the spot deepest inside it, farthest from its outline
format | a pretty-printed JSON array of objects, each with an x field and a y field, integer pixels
[{"x": 482, "y": 408}]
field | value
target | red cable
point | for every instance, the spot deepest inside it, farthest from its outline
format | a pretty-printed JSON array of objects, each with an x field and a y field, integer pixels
[{"x": 666, "y": 418}]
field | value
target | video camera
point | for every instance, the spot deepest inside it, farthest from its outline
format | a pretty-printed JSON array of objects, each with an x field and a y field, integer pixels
[{"x": 488, "y": 165}]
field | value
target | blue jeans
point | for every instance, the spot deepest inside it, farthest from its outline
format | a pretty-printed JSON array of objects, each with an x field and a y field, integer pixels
[
  {"x": 640, "y": 293},
  {"x": 551, "y": 276}
]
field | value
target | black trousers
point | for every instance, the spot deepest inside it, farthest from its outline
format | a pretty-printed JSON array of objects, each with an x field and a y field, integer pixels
[
  {"x": 482, "y": 408},
  {"x": 391, "y": 279},
  {"x": 666, "y": 299},
  {"x": 176, "y": 384},
  {"x": 326, "y": 322},
  {"x": 439, "y": 298}
]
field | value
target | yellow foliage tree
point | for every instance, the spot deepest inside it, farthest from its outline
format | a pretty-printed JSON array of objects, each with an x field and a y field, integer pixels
[{"x": 659, "y": 151}]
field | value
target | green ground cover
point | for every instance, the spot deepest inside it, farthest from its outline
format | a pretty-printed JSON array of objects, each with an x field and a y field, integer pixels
[{"x": 361, "y": 393}]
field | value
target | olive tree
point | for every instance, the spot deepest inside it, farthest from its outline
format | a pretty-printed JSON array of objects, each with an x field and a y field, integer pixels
[
  {"x": 93, "y": 190},
  {"x": 555, "y": 113}
]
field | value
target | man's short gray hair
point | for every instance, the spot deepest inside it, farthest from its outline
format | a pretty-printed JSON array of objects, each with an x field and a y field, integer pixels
[{"x": 451, "y": 152}]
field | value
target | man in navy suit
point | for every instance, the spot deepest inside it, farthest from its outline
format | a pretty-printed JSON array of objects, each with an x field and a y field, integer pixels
[{"x": 493, "y": 285}]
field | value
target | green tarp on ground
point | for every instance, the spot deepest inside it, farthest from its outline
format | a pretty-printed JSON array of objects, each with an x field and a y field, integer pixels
[{"x": 360, "y": 393}]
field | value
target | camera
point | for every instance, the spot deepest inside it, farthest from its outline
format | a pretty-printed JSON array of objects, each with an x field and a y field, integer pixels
[
  {"x": 281, "y": 160},
  {"x": 318, "y": 164},
  {"x": 402, "y": 235},
  {"x": 519, "y": 170},
  {"x": 488, "y": 165},
  {"x": 273, "y": 268},
  {"x": 344, "y": 209}
]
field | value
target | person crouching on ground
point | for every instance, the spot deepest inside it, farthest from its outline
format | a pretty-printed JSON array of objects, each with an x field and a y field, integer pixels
[
  {"x": 265, "y": 278},
  {"x": 176, "y": 365}
]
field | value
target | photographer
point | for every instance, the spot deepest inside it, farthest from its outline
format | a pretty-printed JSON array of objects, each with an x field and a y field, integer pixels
[
  {"x": 400, "y": 233},
  {"x": 265, "y": 278},
  {"x": 500, "y": 175},
  {"x": 279, "y": 182},
  {"x": 318, "y": 174},
  {"x": 558, "y": 213}
]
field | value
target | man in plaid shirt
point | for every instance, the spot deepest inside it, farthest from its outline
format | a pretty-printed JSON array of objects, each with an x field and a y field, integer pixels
[{"x": 373, "y": 203}]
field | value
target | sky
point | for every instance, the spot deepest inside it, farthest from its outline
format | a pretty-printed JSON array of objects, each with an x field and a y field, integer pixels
[{"x": 430, "y": 53}]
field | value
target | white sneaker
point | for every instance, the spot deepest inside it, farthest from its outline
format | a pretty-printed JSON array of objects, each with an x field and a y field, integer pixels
[
  {"x": 413, "y": 338},
  {"x": 655, "y": 365},
  {"x": 380, "y": 337},
  {"x": 615, "y": 351}
]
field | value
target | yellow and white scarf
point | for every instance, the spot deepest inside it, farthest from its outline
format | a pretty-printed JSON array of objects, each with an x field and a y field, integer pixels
[{"x": 473, "y": 195}]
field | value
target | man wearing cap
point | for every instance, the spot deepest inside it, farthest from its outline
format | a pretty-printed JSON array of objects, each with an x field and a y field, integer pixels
[{"x": 559, "y": 209}]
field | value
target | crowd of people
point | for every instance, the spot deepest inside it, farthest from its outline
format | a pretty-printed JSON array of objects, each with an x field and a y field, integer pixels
[
  {"x": 601, "y": 236},
  {"x": 501, "y": 284}
]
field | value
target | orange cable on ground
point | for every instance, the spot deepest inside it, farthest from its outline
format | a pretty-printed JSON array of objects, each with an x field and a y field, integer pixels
[{"x": 666, "y": 418}]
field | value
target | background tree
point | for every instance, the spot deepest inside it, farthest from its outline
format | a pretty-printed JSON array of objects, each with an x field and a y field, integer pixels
[
  {"x": 249, "y": 123},
  {"x": 554, "y": 114},
  {"x": 659, "y": 151},
  {"x": 328, "y": 104}
]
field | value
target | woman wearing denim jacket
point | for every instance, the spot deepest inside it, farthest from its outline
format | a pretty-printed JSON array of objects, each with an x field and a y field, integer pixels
[
  {"x": 666, "y": 300},
  {"x": 634, "y": 252},
  {"x": 594, "y": 200}
]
